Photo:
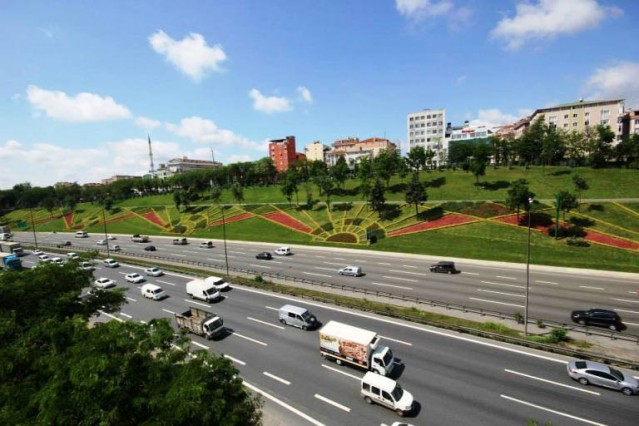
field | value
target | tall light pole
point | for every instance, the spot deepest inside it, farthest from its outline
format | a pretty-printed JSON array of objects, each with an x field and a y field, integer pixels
[
  {"x": 106, "y": 237},
  {"x": 530, "y": 200},
  {"x": 226, "y": 258},
  {"x": 35, "y": 238}
]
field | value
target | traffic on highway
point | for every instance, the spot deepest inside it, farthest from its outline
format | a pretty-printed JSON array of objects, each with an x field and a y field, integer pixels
[{"x": 451, "y": 378}]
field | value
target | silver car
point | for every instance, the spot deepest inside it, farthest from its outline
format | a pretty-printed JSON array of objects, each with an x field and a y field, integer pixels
[{"x": 596, "y": 373}]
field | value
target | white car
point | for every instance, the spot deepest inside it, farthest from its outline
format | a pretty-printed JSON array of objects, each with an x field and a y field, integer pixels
[
  {"x": 44, "y": 258},
  {"x": 154, "y": 271},
  {"x": 102, "y": 242},
  {"x": 87, "y": 266},
  {"x": 37, "y": 252},
  {"x": 353, "y": 271},
  {"x": 283, "y": 251},
  {"x": 111, "y": 237},
  {"x": 134, "y": 277},
  {"x": 57, "y": 260},
  {"x": 206, "y": 244},
  {"x": 73, "y": 255},
  {"x": 111, "y": 263},
  {"x": 104, "y": 283},
  {"x": 116, "y": 248}
]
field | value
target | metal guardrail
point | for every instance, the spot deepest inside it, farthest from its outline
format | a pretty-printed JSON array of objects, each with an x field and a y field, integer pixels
[{"x": 248, "y": 273}]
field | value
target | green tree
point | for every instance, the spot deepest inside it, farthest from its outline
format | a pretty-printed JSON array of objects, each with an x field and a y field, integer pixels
[
  {"x": 340, "y": 171},
  {"x": 177, "y": 198},
  {"x": 416, "y": 193},
  {"x": 567, "y": 202},
  {"x": 602, "y": 144},
  {"x": 519, "y": 196},
  {"x": 288, "y": 187},
  {"x": 416, "y": 158},
  {"x": 327, "y": 187},
  {"x": 580, "y": 186},
  {"x": 377, "y": 198},
  {"x": 238, "y": 192}
]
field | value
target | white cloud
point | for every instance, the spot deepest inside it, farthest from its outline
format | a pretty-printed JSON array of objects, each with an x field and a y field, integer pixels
[
  {"x": 268, "y": 104},
  {"x": 85, "y": 107},
  {"x": 616, "y": 82},
  {"x": 417, "y": 10},
  {"x": 461, "y": 79},
  {"x": 494, "y": 117},
  {"x": 202, "y": 130},
  {"x": 305, "y": 94},
  {"x": 551, "y": 18},
  {"x": 191, "y": 55},
  {"x": 147, "y": 123}
]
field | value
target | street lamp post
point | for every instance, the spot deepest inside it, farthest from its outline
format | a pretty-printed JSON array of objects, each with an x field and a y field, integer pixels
[
  {"x": 226, "y": 258},
  {"x": 106, "y": 237},
  {"x": 35, "y": 238},
  {"x": 530, "y": 200}
]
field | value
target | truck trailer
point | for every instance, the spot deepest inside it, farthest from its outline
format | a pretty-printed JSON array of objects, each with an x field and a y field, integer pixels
[
  {"x": 180, "y": 241},
  {"x": 11, "y": 247},
  {"x": 200, "y": 322},
  {"x": 9, "y": 261},
  {"x": 355, "y": 346},
  {"x": 137, "y": 238}
]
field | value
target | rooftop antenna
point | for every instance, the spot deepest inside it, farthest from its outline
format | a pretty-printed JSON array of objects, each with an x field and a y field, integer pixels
[
  {"x": 212, "y": 155},
  {"x": 151, "y": 158}
]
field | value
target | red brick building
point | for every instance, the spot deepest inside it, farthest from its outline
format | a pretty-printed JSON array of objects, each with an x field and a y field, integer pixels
[{"x": 282, "y": 152}]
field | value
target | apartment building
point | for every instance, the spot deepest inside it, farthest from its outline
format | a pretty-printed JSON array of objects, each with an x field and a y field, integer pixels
[
  {"x": 630, "y": 123},
  {"x": 314, "y": 151},
  {"x": 352, "y": 149},
  {"x": 580, "y": 115},
  {"x": 427, "y": 128},
  {"x": 282, "y": 152}
]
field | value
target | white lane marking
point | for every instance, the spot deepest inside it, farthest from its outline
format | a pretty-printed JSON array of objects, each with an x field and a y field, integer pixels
[
  {"x": 633, "y": 292},
  {"x": 255, "y": 265},
  {"x": 284, "y": 404},
  {"x": 324, "y": 269},
  {"x": 470, "y": 273},
  {"x": 320, "y": 257},
  {"x": 625, "y": 310},
  {"x": 143, "y": 322},
  {"x": 131, "y": 299},
  {"x": 410, "y": 266},
  {"x": 503, "y": 285},
  {"x": 200, "y": 345},
  {"x": 235, "y": 360},
  {"x": 385, "y": 263},
  {"x": 506, "y": 278},
  {"x": 333, "y": 263},
  {"x": 111, "y": 316},
  {"x": 274, "y": 377},
  {"x": 333, "y": 403},
  {"x": 551, "y": 382},
  {"x": 630, "y": 323},
  {"x": 352, "y": 376},
  {"x": 410, "y": 326},
  {"x": 272, "y": 308},
  {"x": 166, "y": 282},
  {"x": 546, "y": 282},
  {"x": 169, "y": 312},
  {"x": 212, "y": 260},
  {"x": 196, "y": 303},
  {"x": 496, "y": 302},
  {"x": 126, "y": 315},
  {"x": 501, "y": 292},
  {"x": 400, "y": 279},
  {"x": 625, "y": 300},
  {"x": 591, "y": 288},
  {"x": 391, "y": 285},
  {"x": 397, "y": 341},
  {"x": 265, "y": 323},
  {"x": 178, "y": 255},
  {"x": 317, "y": 275},
  {"x": 237, "y": 252},
  {"x": 249, "y": 339},
  {"x": 406, "y": 272},
  {"x": 551, "y": 411}
]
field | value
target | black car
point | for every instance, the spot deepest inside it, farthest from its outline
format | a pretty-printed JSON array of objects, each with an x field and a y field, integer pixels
[
  {"x": 598, "y": 317},
  {"x": 444, "y": 267},
  {"x": 264, "y": 256},
  {"x": 149, "y": 248}
]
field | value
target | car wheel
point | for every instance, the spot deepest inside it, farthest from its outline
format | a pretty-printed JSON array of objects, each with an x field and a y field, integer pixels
[
  {"x": 304, "y": 327},
  {"x": 584, "y": 381},
  {"x": 450, "y": 272},
  {"x": 399, "y": 412},
  {"x": 282, "y": 321},
  {"x": 338, "y": 361},
  {"x": 582, "y": 322},
  {"x": 612, "y": 327},
  {"x": 626, "y": 391},
  {"x": 368, "y": 400}
]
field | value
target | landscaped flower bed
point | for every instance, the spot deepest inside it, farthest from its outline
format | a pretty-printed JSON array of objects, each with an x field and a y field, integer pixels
[
  {"x": 231, "y": 219},
  {"x": 152, "y": 217},
  {"x": 286, "y": 220},
  {"x": 451, "y": 219}
]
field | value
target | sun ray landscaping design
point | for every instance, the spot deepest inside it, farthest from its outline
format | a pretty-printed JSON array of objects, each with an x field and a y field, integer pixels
[
  {"x": 450, "y": 219},
  {"x": 234, "y": 218},
  {"x": 283, "y": 219},
  {"x": 153, "y": 217}
]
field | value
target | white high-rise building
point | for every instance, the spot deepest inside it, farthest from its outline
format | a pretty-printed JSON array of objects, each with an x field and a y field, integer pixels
[{"x": 427, "y": 128}]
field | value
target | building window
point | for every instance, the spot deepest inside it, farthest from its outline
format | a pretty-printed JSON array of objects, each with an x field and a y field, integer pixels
[
  {"x": 605, "y": 122},
  {"x": 587, "y": 114},
  {"x": 575, "y": 115},
  {"x": 574, "y": 124},
  {"x": 566, "y": 117},
  {"x": 605, "y": 113}
]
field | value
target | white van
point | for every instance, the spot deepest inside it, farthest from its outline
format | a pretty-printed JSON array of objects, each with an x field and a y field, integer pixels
[
  {"x": 5, "y": 236},
  {"x": 218, "y": 283},
  {"x": 81, "y": 234},
  {"x": 282, "y": 251},
  {"x": 206, "y": 244},
  {"x": 354, "y": 271},
  {"x": 387, "y": 392},
  {"x": 200, "y": 289},
  {"x": 298, "y": 317},
  {"x": 152, "y": 291}
]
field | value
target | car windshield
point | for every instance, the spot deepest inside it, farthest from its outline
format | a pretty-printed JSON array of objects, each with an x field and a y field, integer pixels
[
  {"x": 388, "y": 357},
  {"x": 211, "y": 291},
  {"x": 307, "y": 316},
  {"x": 398, "y": 392},
  {"x": 618, "y": 374}
]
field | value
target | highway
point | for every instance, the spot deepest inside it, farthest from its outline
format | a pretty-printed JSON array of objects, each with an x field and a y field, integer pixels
[
  {"x": 455, "y": 379},
  {"x": 494, "y": 286}
]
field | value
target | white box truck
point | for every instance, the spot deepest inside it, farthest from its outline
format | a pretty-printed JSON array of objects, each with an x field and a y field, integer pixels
[
  {"x": 200, "y": 322},
  {"x": 200, "y": 289},
  {"x": 11, "y": 247},
  {"x": 355, "y": 346}
]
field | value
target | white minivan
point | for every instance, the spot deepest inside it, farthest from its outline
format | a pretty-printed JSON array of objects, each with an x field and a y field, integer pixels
[
  {"x": 354, "y": 271},
  {"x": 81, "y": 234},
  {"x": 298, "y": 317},
  {"x": 282, "y": 251},
  {"x": 152, "y": 291},
  {"x": 387, "y": 392},
  {"x": 218, "y": 283}
]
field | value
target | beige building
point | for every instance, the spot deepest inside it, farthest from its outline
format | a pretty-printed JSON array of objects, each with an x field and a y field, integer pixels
[
  {"x": 578, "y": 116},
  {"x": 352, "y": 149},
  {"x": 181, "y": 165},
  {"x": 426, "y": 128},
  {"x": 630, "y": 123},
  {"x": 314, "y": 151}
]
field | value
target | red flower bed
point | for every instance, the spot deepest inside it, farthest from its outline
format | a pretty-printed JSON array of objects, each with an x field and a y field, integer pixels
[
  {"x": 231, "y": 219},
  {"x": 608, "y": 240},
  {"x": 153, "y": 218},
  {"x": 450, "y": 219},
  {"x": 68, "y": 220},
  {"x": 286, "y": 220}
]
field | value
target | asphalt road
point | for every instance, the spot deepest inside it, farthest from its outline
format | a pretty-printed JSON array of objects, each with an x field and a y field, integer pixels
[
  {"x": 455, "y": 379},
  {"x": 493, "y": 286}
]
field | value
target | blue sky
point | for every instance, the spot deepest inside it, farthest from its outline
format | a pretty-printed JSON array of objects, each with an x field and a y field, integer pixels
[{"x": 82, "y": 83}]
